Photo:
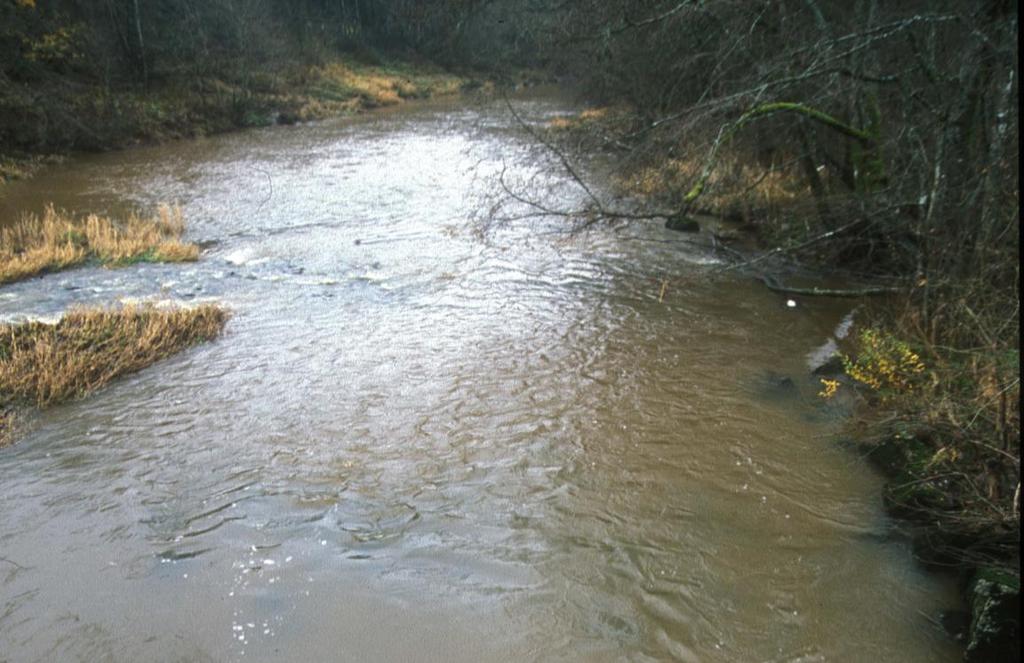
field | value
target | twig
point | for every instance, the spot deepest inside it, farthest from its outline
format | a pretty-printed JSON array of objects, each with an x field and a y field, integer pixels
[
  {"x": 987, "y": 402},
  {"x": 790, "y": 249},
  {"x": 598, "y": 211},
  {"x": 270, "y": 183},
  {"x": 648, "y": 21},
  {"x": 870, "y": 36},
  {"x": 561, "y": 156},
  {"x": 13, "y": 563},
  {"x": 532, "y": 203}
]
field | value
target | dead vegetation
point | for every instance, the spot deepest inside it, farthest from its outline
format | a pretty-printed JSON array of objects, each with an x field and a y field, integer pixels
[
  {"x": 339, "y": 87},
  {"x": 232, "y": 98},
  {"x": 57, "y": 240},
  {"x": 42, "y": 364}
]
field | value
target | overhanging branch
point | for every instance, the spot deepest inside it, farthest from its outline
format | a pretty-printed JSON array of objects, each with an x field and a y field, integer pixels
[{"x": 726, "y": 133}]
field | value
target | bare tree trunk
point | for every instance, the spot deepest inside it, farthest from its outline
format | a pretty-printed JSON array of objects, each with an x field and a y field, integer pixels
[
  {"x": 810, "y": 168},
  {"x": 142, "y": 45}
]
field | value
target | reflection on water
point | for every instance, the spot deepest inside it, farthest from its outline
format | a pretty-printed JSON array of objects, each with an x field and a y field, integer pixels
[{"x": 415, "y": 443}]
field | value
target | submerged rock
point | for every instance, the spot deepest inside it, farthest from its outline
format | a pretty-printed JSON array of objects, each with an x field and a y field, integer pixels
[
  {"x": 683, "y": 224},
  {"x": 956, "y": 623},
  {"x": 774, "y": 386},
  {"x": 782, "y": 383},
  {"x": 831, "y": 367}
]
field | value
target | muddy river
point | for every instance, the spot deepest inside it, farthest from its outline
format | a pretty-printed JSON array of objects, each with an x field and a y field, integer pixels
[{"x": 427, "y": 439}]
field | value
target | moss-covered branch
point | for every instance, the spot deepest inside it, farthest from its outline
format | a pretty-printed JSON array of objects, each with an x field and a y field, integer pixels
[{"x": 727, "y": 132}]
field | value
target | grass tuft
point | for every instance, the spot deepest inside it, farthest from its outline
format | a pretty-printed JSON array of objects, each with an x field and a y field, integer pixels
[
  {"x": 341, "y": 87},
  {"x": 42, "y": 363},
  {"x": 57, "y": 240}
]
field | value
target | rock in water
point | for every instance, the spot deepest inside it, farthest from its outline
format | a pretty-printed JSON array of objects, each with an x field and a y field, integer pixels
[
  {"x": 831, "y": 367},
  {"x": 683, "y": 224},
  {"x": 995, "y": 619}
]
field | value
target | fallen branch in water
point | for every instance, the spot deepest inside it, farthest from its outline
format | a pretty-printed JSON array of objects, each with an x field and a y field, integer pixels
[
  {"x": 775, "y": 286},
  {"x": 779, "y": 250}
]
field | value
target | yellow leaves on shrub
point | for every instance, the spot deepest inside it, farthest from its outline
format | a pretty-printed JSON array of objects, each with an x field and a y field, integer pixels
[
  {"x": 944, "y": 455},
  {"x": 54, "y": 48},
  {"x": 829, "y": 388},
  {"x": 884, "y": 363}
]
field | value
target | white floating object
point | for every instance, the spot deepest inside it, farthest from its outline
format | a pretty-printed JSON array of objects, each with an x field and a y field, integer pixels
[{"x": 791, "y": 303}]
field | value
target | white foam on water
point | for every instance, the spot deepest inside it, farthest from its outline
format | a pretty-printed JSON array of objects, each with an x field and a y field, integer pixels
[{"x": 245, "y": 255}]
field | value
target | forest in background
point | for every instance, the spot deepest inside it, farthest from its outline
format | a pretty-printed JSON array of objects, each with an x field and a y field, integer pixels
[
  {"x": 95, "y": 75},
  {"x": 880, "y": 139}
]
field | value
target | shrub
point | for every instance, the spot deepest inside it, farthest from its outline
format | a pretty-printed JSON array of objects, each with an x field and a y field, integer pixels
[{"x": 884, "y": 363}]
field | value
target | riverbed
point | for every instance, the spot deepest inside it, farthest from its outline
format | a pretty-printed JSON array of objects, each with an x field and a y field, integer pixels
[{"x": 426, "y": 437}]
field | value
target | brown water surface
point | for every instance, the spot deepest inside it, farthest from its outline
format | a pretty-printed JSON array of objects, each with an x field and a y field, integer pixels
[{"x": 417, "y": 443}]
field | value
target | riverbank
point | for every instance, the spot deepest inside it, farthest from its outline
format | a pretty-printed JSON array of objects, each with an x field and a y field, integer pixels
[
  {"x": 935, "y": 365},
  {"x": 947, "y": 437},
  {"x": 41, "y": 120}
]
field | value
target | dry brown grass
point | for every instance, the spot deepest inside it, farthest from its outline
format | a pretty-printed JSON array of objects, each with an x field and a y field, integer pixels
[
  {"x": 584, "y": 119},
  {"x": 58, "y": 240},
  {"x": 663, "y": 171},
  {"x": 339, "y": 87},
  {"x": 593, "y": 128},
  {"x": 6, "y": 427},
  {"x": 737, "y": 183},
  {"x": 41, "y": 363}
]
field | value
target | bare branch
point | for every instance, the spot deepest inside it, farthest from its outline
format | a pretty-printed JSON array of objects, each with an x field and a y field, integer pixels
[
  {"x": 558, "y": 153},
  {"x": 654, "y": 19}
]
